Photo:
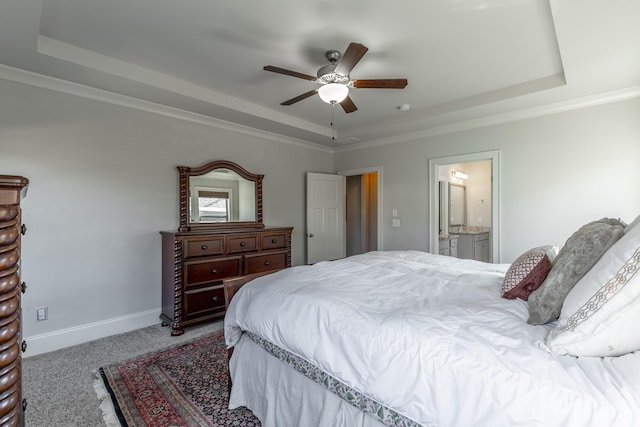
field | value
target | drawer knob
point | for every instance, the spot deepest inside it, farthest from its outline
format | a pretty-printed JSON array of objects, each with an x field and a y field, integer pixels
[
  {"x": 266, "y": 263},
  {"x": 243, "y": 244},
  {"x": 204, "y": 247},
  {"x": 214, "y": 299},
  {"x": 214, "y": 271},
  {"x": 23, "y": 229},
  {"x": 23, "y": 346},
  {"x": 23, "y": 287},
  {"x": 274, "y": 240}
]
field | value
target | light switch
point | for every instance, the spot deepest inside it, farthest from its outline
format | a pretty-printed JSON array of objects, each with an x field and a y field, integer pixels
[
  {"x": 394, "y": 212},
  {"x": 395, "y": 222}
]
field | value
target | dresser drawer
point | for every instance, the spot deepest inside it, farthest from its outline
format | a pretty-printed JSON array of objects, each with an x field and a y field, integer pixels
[
  {"x": 204, "y": 301},
  {"x": 274, "y": 241},
  {"x": 265, "y": 262},
  {"x": 245, "y": 243},
  {"x": 203, "y": 247},
  {"x": 197, "y": 272}
]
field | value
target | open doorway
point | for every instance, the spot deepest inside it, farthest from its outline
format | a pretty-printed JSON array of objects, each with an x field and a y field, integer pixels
[
  {"x": 363, "y": 202},
  {"x": 361, "y": 213},
  {"x": 464, "y": 222},
  {"x": 481, "y": 213}
]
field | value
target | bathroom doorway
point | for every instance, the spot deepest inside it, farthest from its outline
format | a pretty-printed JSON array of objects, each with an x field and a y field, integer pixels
[{"x": 478, "y": 175}]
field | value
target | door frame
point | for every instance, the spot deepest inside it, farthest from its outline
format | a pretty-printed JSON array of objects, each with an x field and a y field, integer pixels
[
  {"x": 364, "y": 171},
  {"x": 434, "y": 164}
]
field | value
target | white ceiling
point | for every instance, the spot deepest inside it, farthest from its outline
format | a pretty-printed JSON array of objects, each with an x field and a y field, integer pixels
[{"x": 467, "y": 61}]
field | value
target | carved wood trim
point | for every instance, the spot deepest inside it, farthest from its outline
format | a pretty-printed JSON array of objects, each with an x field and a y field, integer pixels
[
  {"x": 12, "y": 189},
  {"x": 289, "y": 249},
  {"x": 178, "y": 302},
  {"x": 184, "y": 198}
]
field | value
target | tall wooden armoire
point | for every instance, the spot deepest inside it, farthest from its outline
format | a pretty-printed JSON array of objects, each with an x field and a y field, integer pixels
[{"x": 12, "y": 404}]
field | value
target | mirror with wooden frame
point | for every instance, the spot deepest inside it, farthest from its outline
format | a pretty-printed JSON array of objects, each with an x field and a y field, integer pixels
[{"x": 219, "y": 194}]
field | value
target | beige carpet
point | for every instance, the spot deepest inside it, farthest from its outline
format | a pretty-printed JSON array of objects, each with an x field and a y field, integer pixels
[{"x": 58, "y": 386}]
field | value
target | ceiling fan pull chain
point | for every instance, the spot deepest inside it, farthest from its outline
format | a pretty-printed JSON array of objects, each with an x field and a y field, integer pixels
[{"x": 333, "y": 129}]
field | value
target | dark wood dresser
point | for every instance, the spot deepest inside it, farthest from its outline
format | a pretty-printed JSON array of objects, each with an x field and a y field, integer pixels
[
  {"x": 195, "y": 263},
  {"x": 221, "y": 236},
  {"x": 12, "y": 406}
]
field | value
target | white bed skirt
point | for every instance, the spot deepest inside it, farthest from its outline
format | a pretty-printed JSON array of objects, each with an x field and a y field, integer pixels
[{"x": 280, "y": 396}]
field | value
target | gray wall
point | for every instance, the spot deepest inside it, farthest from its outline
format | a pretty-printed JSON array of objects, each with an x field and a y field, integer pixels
[
  {"x": 103, "y": 183},
  {"x": 558, "y": 172}
]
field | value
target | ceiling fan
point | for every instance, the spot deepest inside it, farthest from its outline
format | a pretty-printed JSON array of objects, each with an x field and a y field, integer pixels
[{"x": 334, "y": 78}]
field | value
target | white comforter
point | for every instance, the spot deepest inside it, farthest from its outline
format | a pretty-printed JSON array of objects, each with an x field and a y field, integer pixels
[{"x": 429, "y": 337}]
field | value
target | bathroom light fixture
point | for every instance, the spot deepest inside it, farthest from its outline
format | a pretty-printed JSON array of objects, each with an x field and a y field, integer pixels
[
  {"x": 457, "y": 173},
  {"x": 333, "y": 93}
]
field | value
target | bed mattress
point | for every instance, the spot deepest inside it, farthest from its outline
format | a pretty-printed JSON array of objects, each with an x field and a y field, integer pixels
[{"x": 427, "y": 340}]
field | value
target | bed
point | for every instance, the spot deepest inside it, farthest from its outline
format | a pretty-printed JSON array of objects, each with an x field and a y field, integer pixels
[{"x": 407, "y": 338}]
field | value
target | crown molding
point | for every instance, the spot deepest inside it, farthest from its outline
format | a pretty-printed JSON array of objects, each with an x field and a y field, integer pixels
[
  {"x": 511, "y": 116},
  {"x": 30, "y": 78},
  {"x": 58, "y": 85}
]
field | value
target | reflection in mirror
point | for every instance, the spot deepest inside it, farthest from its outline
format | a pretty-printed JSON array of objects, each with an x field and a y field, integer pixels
[
  {"x": 457, "y": 205},
  {"x": 221, "y": 196}
]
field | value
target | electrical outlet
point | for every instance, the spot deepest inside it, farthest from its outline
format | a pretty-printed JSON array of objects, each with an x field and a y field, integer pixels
[{"x": 42, "y": 313}]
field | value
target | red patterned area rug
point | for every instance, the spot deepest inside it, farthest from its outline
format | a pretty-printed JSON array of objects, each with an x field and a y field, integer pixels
[{"x": 181, "y": 386}]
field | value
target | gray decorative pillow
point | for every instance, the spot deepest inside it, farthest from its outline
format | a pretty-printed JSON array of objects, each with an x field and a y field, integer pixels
[{"x": 581, "y": 251}]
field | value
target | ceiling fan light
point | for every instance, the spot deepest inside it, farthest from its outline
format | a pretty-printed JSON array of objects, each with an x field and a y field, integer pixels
[{"x": 333, "y": 92}]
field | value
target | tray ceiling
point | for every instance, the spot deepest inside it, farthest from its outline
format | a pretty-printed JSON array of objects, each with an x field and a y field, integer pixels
[{"x": 466, "y": 60}]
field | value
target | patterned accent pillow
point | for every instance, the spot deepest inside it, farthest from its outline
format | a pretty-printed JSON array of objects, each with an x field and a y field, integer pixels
[
  {"x": 581, "y": 251},
  {"x": 527, "y": 272},
  {"x": 601, "y": 314}
]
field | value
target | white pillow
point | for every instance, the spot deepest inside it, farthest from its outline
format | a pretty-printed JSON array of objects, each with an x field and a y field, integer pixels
[
  {"x": 633, "y": 224},
  {"x": 601, "y": 314}
]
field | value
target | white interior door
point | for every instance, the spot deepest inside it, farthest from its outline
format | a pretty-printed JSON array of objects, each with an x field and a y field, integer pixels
[{"x": 325, "y": 217}]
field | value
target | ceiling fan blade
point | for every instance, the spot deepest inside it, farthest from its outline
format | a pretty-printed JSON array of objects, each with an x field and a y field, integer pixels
[
  {"x": 289, "y": 73},
  {"x": 350, "y": 58},
  {"x": 348, "y": 106},
  {"x": 300, "y": 97},
  {"x": 380, "y": 84}
]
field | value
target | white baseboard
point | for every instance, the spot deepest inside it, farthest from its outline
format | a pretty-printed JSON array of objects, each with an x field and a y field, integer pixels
[{"x": 56, "y": 340}]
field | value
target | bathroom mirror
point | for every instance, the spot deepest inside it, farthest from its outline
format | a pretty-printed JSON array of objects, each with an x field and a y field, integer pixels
[
  {"x": 219, "y": 194},
  {"x": 457, "y": 205}
]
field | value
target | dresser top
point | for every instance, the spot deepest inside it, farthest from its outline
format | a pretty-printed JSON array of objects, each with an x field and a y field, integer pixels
[{"x": 231, "y": 230}]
